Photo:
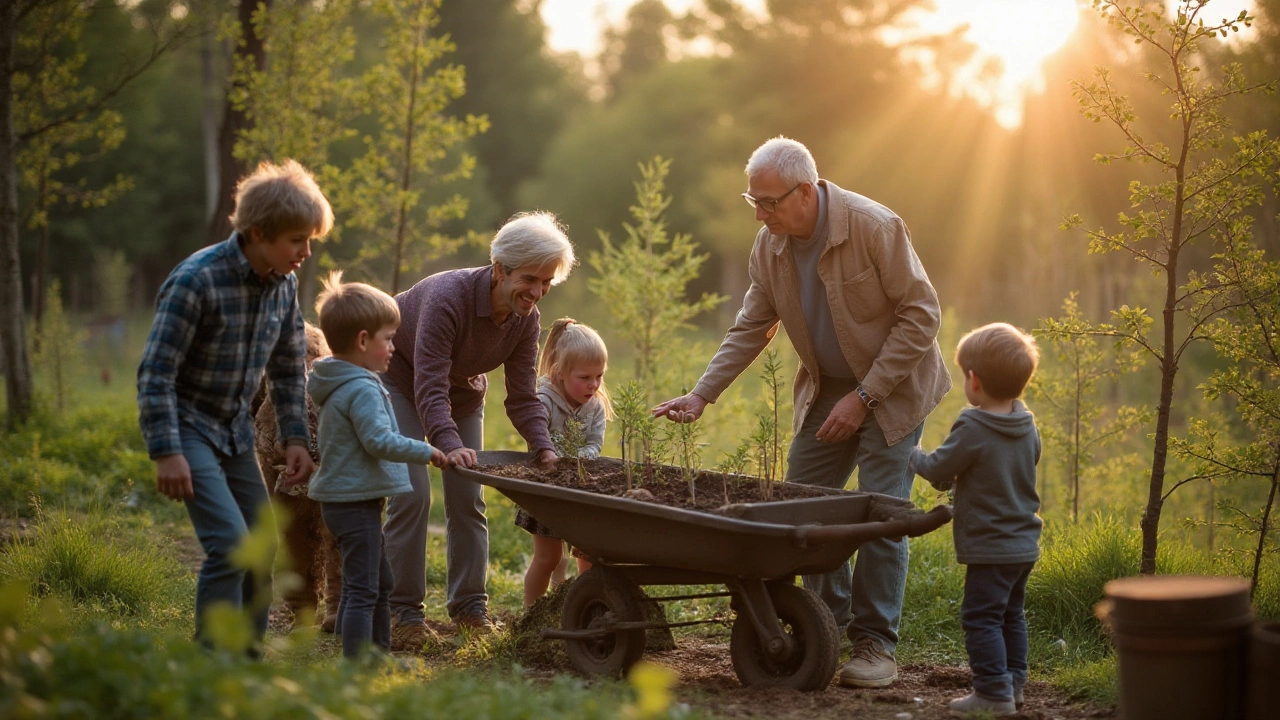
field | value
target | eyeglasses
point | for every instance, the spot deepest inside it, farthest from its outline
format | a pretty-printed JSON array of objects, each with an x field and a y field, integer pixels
[{"x": 768, "y": 206}]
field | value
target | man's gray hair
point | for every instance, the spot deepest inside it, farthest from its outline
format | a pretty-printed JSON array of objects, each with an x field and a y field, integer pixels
[
  {"x": 790, "y": 158},
  {"x": 533, "y": 238}
]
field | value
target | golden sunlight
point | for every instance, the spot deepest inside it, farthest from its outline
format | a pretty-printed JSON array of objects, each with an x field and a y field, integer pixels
[{"x": 1016, "y": 34}]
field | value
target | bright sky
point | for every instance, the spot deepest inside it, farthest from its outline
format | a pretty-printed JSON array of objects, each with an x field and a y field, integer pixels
[{"x": 1019, "y": 33}]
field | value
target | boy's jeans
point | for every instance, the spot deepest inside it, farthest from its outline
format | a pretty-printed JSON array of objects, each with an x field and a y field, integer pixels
[
  {"x": 229, "y": 497},
  {"x": 364, "y": 613},
  {"x": 466, "y": 528},
  {"x": 995, "y": 627},
  {"x": 868, "y": 599}
]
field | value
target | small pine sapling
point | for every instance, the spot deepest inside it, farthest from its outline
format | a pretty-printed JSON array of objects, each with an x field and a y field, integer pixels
[
  {"x": 631, "y": 412},
  {"x": 683, "y": 438},
  {"x": 734, "y": 463},
  {"x": 569, "y": 443}
]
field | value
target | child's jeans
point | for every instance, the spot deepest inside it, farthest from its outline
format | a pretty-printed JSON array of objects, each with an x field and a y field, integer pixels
[
  {"x": 995, "y": 627},
  {"x": 364, "y": 613},
  {"x": 229, "y": 497}
]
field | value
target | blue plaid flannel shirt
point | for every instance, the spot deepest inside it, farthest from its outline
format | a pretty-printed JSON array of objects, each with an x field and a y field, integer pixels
[{"x": 219, "y": 325}]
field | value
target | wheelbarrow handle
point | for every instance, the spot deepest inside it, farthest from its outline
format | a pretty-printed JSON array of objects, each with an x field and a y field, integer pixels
[{"x": 908, "y": 525}]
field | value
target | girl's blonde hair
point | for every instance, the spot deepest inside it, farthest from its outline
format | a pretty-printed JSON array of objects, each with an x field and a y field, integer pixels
[{"x": 570, "y": 343}]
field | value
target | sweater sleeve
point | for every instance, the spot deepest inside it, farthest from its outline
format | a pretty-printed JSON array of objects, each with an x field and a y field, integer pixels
[
  {"x": 524, "y": 409},
  {"x": 943, "y": 466},
  {"x": 368, "y": 415},
  {"x": 437, "y": 332}
]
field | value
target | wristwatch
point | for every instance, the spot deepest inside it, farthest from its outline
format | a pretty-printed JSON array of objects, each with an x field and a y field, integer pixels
[{"x": 870, "y": 401}]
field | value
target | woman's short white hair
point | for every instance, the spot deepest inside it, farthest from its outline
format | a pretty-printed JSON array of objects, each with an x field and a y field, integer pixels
[
  {"x": 790, "y": 158},
  {"x": 533, "y": 238}
]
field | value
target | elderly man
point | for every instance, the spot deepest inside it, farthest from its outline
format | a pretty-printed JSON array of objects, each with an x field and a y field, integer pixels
[
  {"x": 838, "y": 271},
  {"x": 455, "y": 327}
]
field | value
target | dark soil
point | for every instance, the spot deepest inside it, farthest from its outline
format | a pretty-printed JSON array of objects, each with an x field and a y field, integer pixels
[{"x": 662, "y": 484}]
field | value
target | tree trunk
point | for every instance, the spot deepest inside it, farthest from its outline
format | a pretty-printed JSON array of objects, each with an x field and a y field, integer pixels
[
  {"x": 1265, "y": 529},
  {"x": 233, "y": 122},
  {"x": 209, "y": 124},
  {"x": 13, "y": 342}
]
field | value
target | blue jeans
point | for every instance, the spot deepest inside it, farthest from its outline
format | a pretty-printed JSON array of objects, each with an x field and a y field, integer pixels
[
  {"x": 364, "y": 613},
  {"x": 995, "y": 627},
  {"x": 466, "y": 527},
  {"x": 867, "y": 599},
  {"x": 230, "y": 497}
]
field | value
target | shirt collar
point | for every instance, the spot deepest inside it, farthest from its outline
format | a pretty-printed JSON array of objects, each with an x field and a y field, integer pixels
[{"x": 235, "y": 255}]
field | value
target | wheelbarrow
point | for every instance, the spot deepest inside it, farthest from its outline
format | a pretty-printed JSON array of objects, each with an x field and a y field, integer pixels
[{"x": 783, "y": 635}]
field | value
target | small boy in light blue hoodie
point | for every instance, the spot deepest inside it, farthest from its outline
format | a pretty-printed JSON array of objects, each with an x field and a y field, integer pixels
[
  {"x": 362, "y": 453},
  {"x": 990, "y": 459}
]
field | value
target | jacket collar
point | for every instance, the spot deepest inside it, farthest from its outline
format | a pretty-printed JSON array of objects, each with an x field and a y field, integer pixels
[{"x": 837, "y": 220}]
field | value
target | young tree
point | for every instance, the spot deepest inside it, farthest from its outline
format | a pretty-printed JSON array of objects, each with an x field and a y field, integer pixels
[
  {"x": 643, "y": 279},
  {"x": 385, "y": 190},
  {"x": 43, "y": 102},
  {"x": 57, "y": 347},
  {"x": 633, "y": 415},
  {"x": 1071, "y": 413},
  {"x": 1250, "y": 340},
  {"x": 1202, "y": 196}
]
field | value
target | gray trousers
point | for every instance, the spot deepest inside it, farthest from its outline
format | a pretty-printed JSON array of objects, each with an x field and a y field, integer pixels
[
  {"x": 466, "y": 528},
  {"x": 867, "y": 599}
]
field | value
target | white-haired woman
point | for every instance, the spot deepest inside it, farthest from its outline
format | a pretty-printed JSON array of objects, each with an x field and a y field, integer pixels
[{"x": 455, "y": 327}]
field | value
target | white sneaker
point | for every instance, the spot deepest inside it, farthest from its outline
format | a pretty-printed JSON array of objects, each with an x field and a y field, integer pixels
[
  {"x": 869, "y": 666},
  {"x": 974, "y": 702}
]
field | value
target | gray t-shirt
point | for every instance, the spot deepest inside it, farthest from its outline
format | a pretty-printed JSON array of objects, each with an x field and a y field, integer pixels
[{"x": 813, "y": 296}]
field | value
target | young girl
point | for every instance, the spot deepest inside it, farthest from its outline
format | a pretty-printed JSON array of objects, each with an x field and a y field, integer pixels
[{"x": 571, "y": 387}]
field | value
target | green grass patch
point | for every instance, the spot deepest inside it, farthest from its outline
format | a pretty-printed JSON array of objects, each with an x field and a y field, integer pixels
[{"x": 100, "y": 567}]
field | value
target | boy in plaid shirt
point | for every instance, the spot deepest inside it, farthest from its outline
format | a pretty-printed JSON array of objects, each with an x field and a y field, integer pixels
[{"x": 223, "y": 316}]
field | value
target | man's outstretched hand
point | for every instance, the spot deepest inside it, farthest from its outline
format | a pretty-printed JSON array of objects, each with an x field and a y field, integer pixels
[{"x": 684, "y": 409}]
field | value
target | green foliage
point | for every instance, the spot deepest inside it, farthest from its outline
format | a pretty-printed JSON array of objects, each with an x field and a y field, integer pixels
[
  {"x": 87, "y": 560},
  {"x": 569, "y": 442},
  {"x": 100, "y": 671},
  {"x": 299, "y": 105},
  {"x": 384, "y": 193},
  {"x": 734, "y": 463},
  {"x": 58, "y": 347},
  {"x": 633, "y": 418},
  {"x": 1202, "y": 195},
  {"x": 683, "y": 439},
  {"x": 1070, "y": 414},
  {"x": 643, "y": 279}
]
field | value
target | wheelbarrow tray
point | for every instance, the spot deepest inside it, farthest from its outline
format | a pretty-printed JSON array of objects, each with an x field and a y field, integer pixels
[{"x": 760, "y": 540}]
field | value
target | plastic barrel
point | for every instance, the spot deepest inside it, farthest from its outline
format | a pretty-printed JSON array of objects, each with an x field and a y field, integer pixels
[
  {"x": 1181, "y": 642},
  {"x": 1264, "y": 672}
]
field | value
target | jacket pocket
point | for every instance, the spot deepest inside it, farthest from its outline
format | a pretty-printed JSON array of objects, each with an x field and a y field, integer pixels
[{"x": 864, "y": 296}]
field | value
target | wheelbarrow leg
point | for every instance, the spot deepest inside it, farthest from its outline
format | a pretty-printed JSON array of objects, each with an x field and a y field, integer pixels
[{"x": 758, "y": 607}]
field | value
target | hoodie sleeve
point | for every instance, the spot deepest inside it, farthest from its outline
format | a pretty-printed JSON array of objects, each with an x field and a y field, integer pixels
[
  {"x": 594, "y": 431},
  {"x": 372, "y": 423},
  {"x": 943, "y": 466}
]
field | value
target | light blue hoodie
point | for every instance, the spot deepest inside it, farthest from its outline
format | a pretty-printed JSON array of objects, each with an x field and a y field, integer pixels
[{"x": 362, "y": 453}]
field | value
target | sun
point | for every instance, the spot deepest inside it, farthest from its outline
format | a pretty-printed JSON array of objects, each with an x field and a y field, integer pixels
[{"x": 1017, "y": 34}]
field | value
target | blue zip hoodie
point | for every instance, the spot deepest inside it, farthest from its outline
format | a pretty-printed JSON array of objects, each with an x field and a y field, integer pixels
[
  {"x": 990, "y": 459},
  {"x": 362, "y": 453}
]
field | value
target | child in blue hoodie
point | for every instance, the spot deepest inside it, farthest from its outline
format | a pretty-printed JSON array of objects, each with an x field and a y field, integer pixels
[
  {"x": 362, "y": 453},
  {"x": 990, "y": 458}
]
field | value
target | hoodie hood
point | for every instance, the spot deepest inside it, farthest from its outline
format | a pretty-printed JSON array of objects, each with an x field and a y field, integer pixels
[
  {"x": 329, "y": 374},
  {"x": 1015, "y": 425},
  {"x": 548, "y": 390}
]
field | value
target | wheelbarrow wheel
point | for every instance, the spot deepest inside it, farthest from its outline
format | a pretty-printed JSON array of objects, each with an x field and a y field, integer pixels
[
  {"x": 594, "y": 599},
  {"x": 815, "y": 645}
]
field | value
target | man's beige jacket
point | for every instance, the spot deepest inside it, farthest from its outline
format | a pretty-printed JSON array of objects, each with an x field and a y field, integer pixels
[{"x": 885, "y": 311}]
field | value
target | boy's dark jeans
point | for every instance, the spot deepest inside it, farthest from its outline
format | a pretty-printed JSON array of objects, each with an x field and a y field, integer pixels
[
  {"x": 995, "y": 627},
  {"x": 364, "y": 613}
]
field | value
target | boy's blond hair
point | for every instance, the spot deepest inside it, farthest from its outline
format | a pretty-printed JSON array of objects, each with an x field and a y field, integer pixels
[
  {"x": 347, "y": 308},
  {"x": 1003, "y": 357},
  {"x": 280, "y": 198}
]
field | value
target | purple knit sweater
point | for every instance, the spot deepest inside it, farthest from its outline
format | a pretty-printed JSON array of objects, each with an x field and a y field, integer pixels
[{"x": 447, "y": 341}]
